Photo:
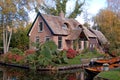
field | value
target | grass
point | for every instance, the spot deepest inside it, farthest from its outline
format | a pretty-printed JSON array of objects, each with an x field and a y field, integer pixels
[
  {"x": 111, "y": 75},
  {"x": 78, "y": 58}
]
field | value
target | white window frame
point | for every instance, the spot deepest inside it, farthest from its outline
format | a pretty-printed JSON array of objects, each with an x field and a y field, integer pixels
[
  {"x": 47, "y": 37},
  {"x": 37, "y": 38}
]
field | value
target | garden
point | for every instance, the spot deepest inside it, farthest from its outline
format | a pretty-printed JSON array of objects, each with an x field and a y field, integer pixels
[{"x": 47, "y": 56}]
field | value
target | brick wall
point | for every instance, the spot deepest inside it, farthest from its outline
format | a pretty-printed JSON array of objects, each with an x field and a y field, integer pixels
[{"x": 42, "y": 35}]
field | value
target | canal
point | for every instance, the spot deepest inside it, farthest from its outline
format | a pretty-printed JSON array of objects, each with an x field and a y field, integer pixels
[{"x": 12, "y": 73}]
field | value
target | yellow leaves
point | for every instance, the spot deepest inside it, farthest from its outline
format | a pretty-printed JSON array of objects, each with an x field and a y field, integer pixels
[
  {"x": 8, "y": 6},
  {"x": 109, "y": 23}
]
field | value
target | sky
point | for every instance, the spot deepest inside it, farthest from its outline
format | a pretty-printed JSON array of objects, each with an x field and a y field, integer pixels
[{"x": 92, "y": 9}]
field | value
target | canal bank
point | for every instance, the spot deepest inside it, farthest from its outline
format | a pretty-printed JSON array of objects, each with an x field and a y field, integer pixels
[
  {"x": 12, "y": 73},
  {"x": 82, "y": 66}
]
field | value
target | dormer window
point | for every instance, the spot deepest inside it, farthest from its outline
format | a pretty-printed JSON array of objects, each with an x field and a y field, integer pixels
[
  {"x": 40, "y": 27},
  {"x": 65, "y": 26},
  {"x": 80, "y": 26}
]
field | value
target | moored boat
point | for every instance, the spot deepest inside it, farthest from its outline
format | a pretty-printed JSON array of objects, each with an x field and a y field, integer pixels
[
  {"x": 109, "y": 61},
  {"x": 98, "y": 69}
]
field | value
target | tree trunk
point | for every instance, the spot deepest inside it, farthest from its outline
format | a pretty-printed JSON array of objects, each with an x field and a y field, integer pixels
[
  {"x": 4, "y": 40},
  {"x": 9, "y": 40}
]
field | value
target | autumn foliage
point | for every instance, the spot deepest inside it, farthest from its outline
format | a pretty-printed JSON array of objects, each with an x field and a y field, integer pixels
[
  {"x": 13, "y": 58},
  {"x": 29, "y": 51}
]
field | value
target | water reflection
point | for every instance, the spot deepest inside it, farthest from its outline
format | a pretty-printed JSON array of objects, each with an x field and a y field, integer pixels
[{"x": 9, "y": 73}]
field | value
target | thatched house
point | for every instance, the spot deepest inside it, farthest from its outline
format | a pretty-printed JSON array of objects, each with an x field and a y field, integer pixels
[{"x": 66, "y": 33}]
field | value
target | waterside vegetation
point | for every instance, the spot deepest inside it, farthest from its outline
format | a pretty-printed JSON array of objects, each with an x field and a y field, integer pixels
[{"x": 48, "y": 56}]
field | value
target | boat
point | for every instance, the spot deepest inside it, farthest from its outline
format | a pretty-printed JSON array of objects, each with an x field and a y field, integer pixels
[
  {"x": 100, "y": 62},
  {"x": 98, "y": 69}
]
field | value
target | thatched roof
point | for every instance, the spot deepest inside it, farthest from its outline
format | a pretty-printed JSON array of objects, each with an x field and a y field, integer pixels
[
  {"x": 88, "y": 33},
  {"x": 56, "y": 23},
  {"x": 74, "y": 34},
  {"x": 102, "y": 39}
]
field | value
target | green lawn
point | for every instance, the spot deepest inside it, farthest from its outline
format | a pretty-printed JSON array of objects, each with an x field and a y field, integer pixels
[
  {"x": 111, "y": 75},
  {"x": 78, "y": 58}
]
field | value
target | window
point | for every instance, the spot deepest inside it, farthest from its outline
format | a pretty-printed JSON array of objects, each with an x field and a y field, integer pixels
[
  {"x": 59, "y": 42},
  {"x": 85, "y": 44},
  {"x": 47, "y": 38},
  {"x": 79, "y": 44},
  {"x": 40, "y": 27},
  {"x": 65, "y": 26},
  {"x": 37, "y": 39},
  {"x": 90, "y": 45}
]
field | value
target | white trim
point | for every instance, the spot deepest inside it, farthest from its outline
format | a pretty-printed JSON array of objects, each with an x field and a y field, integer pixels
[
  {"x": 47, "y": 37},
  {"x": 37, "y": 37}
]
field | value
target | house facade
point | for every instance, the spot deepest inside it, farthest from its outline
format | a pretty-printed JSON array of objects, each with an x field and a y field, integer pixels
[{"x": 66, "y": 33}]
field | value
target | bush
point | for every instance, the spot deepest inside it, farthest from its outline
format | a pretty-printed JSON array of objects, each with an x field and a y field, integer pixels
[
  {"x": 13, "y": 58},
  {"x": 16, "y": 51},
  {"x": 60, "y": 57},
  {"x": 71, "y": 53},
  {"x": 29, "y": 51},
  {"x": 15, "y": 55}
]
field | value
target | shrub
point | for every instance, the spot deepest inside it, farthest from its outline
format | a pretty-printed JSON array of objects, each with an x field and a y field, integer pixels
[
  {"x": 29, "y": 51},
  {"x": 60, "y": 57},
  {"x": 71, "y": 53},
  {"x": 16, "y": 51},
  {"x": 13, "y": 58}
]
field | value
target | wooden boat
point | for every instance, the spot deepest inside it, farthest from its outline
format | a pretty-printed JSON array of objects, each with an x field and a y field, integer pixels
[
  {"x": 98, "y": 69},
  {"x": 109, "y": 61}
]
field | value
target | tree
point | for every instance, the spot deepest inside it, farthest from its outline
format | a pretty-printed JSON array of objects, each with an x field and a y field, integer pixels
[
  {"x": 19, "y": 38},
  {"x": 109, "y": 23},
  {"x": 60, "y": 5},
  {"x": 13, "y": 13},
  {"x": 114, "y": 5}
]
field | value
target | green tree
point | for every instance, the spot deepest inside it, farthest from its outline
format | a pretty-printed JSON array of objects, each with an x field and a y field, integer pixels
[
  {"x": 60, "y": 5},
  {"x": 19, "y": 38}
]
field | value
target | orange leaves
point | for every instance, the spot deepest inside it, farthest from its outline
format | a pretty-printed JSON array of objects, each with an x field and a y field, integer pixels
[{"x": 14, "y": 57}]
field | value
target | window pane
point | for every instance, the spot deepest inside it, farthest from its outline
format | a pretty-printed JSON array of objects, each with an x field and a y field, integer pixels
[
  {"x": 79, "y": 44},
  {"x": 59, "y": 42},
  {"x": 47, "y": 38},
  {"x": 37, "y": 39},
  {"x": 41, "y": 26},
  {"x": 64, "y": 26},
  {"x": 85, "y": 44}
]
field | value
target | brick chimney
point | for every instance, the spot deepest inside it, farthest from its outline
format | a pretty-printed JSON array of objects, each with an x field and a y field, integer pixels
[{"x": 62, "y": 14}]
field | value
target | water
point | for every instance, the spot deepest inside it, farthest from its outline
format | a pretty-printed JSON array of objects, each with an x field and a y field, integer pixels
[{"x": 10, "y": 73}]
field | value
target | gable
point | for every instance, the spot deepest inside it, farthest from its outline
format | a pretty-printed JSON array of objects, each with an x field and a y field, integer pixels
[{"x": 36, "y": 21}]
